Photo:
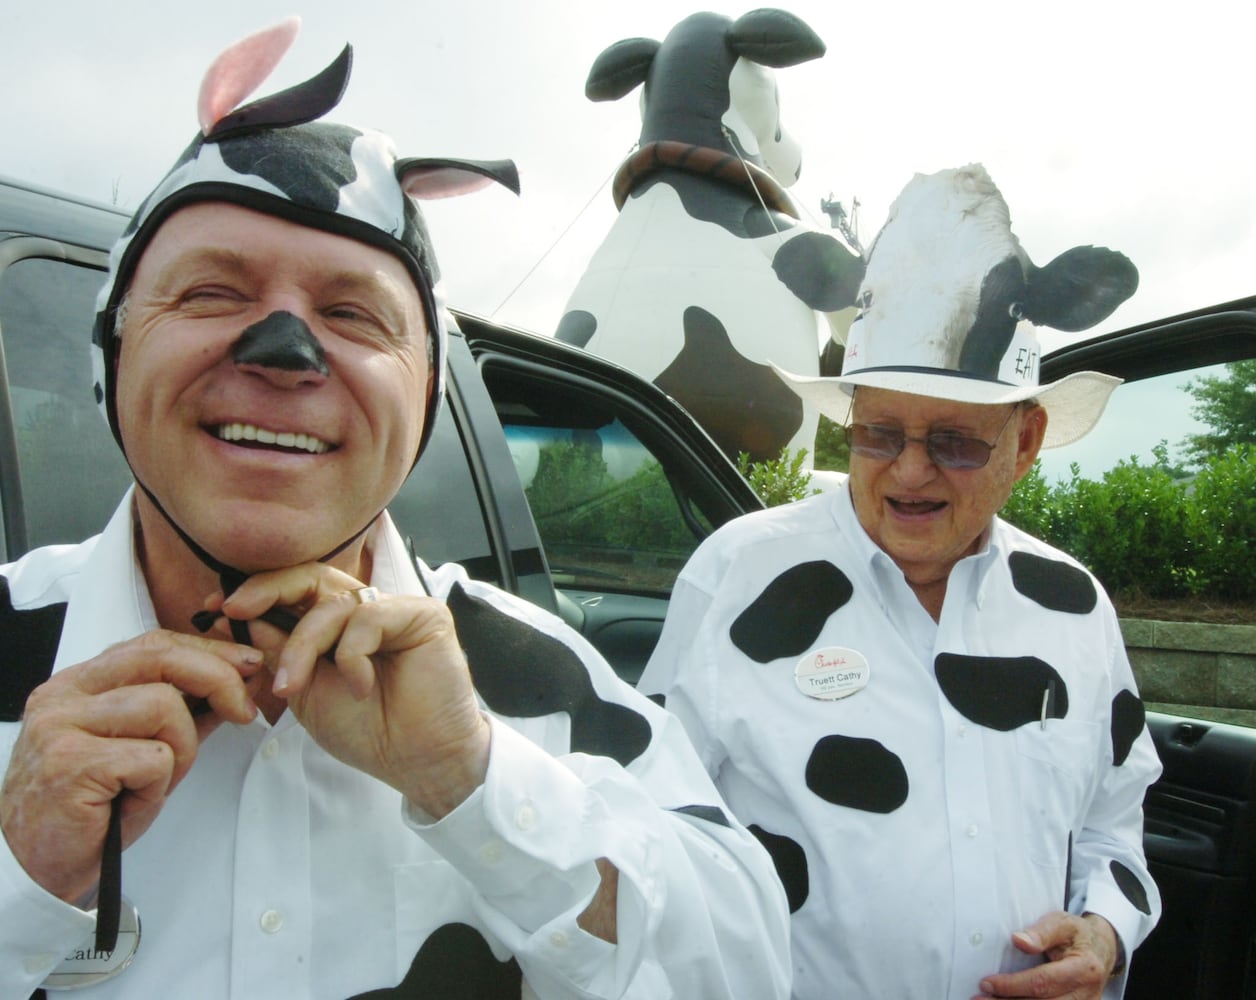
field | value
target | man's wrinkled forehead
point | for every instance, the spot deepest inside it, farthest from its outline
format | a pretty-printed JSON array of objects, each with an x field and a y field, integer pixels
[{"x": 221, "y": 242}]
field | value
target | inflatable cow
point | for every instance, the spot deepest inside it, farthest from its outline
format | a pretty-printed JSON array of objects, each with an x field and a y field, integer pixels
[{"x": 707, "y": 273}]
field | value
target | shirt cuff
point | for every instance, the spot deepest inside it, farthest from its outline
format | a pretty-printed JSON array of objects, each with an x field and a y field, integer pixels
[
  {"x": 37, "y": 930},
  {"x": 522, "y": 838}
]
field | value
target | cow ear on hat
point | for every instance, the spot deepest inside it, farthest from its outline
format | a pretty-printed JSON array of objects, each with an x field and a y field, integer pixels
[
  {"x": 426, "y": 178},
  {"x": 243, "y": 67},
  {"x": 1080, "y": 288}
]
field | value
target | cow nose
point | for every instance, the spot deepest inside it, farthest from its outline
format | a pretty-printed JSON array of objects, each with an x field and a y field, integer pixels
[{"x": 282, "y": 348}]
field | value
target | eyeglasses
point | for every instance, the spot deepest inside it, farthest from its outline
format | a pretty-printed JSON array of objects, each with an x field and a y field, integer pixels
[{"x": 945, "y": 448}]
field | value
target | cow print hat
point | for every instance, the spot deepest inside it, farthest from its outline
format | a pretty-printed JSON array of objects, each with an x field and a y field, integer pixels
[
  {"x": 950, "y": 301},
  {"x": 274, "y": 156}
]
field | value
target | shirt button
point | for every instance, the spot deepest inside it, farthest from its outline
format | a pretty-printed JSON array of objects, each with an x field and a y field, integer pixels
[
  {"x": 271, "y": 921},
  {"x": 525, "y": 816},
  {"x": 963, "y": 731},
  {"x": 975, "y": 939},
  {"x": 972, "y": 830},
  {"x": 558, "y": 939},
  {"x": 270, "y": 748},
  {"x": 491, "y": 852}
]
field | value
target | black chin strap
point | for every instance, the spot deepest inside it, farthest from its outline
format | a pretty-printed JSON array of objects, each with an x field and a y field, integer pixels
[{"x": 230, "y": 578}]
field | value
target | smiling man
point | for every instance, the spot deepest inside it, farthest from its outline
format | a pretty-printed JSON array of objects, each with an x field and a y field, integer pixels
[
  {"x": 331, "y": 771},
  {"x": 926, "y": 715}
]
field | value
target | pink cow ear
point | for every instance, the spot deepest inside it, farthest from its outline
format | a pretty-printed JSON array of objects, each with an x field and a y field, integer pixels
[
  {"x": 428, "y": 178},
  {"x": 241, "y": 69}
]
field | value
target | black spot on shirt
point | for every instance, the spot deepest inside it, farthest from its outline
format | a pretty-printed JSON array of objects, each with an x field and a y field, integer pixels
[
  {"x": 28, "y": 647},
  {"x": 1001, "y": 693},
  {"x": 791, "y": 865},
  {"x": 524, "y": 673},
  {"x": 455, "y": 963},
  {"x": 1130, "y": 887},
  {"x": 788, "y": 616},
  {"x": 1054, "y": 584},
  {"x": 857, "y": 773},
  {"x": 1128, "y": 719}
]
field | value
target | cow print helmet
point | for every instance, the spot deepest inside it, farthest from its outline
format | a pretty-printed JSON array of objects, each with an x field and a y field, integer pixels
[{"x": 275, "y": 157}]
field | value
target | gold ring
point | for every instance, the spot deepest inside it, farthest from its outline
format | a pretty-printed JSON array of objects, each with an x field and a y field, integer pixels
[{"x": 365, "y": 595}]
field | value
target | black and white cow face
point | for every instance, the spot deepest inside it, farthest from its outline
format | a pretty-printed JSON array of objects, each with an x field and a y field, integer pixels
[
  {"x": 710, "y": 83},
  {"x": 754, "y": 119},
  {"x": 947, "y": 284}
]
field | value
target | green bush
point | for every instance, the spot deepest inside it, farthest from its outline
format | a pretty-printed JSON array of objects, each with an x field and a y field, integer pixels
[
  {"x": 1151, "y": 529},
  {"x": 778, "y": 480}
]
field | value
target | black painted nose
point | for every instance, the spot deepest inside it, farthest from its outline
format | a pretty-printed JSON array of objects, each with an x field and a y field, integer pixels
[{"x": 282, "y": 341}]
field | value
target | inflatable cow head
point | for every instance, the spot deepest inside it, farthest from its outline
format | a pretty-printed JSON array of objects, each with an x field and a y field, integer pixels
[{"x": 710, "y": 83}]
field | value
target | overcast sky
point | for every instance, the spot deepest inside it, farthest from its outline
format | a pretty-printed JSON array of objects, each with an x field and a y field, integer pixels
[{"x": 1113, "y": 123}]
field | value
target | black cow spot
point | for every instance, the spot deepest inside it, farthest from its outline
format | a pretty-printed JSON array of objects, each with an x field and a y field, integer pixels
[
  {"x": 819, "y": 271},
  {"x": 524, "y": 673},
  {"x": 742, "y": 405},
  {"x": 857, "y": 773},
  {"x": 28, "y": 647},
  {"x": 708, "y": 814},
  {"x": 1128, "y": 719},
  {"x": 455, "y": 963},
  {"x": 1130, "y": 887},
  {"x": 791, "y": 865},
  {"x": 309, "y": 163},
  {"x": 993, "y": 324},
  {"x": 788, "y": 616},
  {"x": 576, "y": 327},
  {"x": 1001, "y": 692},
  {"x": 1054, "y": 584}
]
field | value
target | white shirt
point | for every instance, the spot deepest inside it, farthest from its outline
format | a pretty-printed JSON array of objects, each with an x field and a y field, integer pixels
[
  {"x": 275, "y": 871},
  {"x": 915, "y": 830}
]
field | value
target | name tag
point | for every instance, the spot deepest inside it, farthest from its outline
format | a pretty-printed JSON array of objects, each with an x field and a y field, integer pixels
[
  {"x": 85, "y": 966},
  {"x": 831, "y": 673}
]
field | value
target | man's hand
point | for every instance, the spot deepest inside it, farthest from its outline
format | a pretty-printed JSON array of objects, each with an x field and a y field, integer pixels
[
  {"x": 119, "y": 723},
  {"x": 1080, "y": 954},
  {"x": 382, "y": 686}
]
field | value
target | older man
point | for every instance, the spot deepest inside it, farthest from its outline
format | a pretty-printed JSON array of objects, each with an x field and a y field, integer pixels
[
  {"x": 926, "y": 715},
  {"x": 255, "y": 691}
]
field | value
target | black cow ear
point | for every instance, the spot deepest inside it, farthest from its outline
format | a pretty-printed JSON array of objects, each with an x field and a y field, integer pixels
[
  {"x": 1080, "y": 288},
  {"x": 430, "y": 177},
  {"x": 297, "y": 105},
  {"x": 774, "y": 38},
  {"x": 620, "y": 68}
]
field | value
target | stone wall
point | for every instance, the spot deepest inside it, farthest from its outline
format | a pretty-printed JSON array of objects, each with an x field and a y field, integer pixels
[{"x": 1193, "y": 669}]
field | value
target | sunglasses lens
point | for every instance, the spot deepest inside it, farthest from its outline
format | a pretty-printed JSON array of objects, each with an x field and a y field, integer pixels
[
  {"x": 957, "y": 452},
  {"x": 875, "y": 442}
]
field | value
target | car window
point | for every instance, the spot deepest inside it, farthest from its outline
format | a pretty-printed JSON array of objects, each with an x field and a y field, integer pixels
[
  {"x": 604, "y": 507},
  {"x": 72, "y": 474},
  {"x": 438, "y": 507},
  {"x": 1159, "y": 501}
]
